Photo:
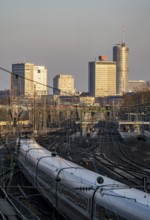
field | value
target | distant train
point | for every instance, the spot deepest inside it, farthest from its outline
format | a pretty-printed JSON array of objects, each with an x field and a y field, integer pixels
[{"x": 77, "y": 192}]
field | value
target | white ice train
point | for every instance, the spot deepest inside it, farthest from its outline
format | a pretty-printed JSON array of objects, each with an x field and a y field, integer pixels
[{"x": 77, "y": 192}]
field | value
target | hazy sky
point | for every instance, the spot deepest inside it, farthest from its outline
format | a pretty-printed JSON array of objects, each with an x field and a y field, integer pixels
[{"x": 64, "y": 35}]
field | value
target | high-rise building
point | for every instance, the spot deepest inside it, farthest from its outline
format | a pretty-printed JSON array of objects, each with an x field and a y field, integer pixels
[
  {"x": 22, "y": 80},
  {"x": 25, "y": 79},
  {"x": 63, "y": 85},
  {"x": 40, "y": 80},
  {"x": 120, "y": 55},
  {"x": 102, "y": 77}
]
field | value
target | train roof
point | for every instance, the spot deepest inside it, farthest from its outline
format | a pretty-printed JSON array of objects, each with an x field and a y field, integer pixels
[{"x": 74, "y": 172}]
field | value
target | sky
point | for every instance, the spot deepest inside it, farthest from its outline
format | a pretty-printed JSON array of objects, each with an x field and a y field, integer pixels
[{"x": 64, "y": 35}]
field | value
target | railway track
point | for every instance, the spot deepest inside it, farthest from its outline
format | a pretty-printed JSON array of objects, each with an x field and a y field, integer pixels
[
  {"x": 105, "y": 151},
  {"x": 28, "y": 200},
  {"x": 131, "y": 171},
  {"x": 21, "y": 197},
  {"x": 118, "y": 165}
]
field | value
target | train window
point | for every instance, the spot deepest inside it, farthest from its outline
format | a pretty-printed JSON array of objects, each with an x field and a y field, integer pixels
[
  {"x": 29, "y": 165},
  {"x": 46, "y": 178},
  {"x": 102, "y": 213},
  {"x": 110, "y": 215}
]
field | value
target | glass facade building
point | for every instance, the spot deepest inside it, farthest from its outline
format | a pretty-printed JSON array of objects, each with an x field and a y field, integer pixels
[{"x": 120, "y": 56}]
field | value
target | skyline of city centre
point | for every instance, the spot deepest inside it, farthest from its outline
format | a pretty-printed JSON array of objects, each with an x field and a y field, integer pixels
[{"x": 65, "y": 36}]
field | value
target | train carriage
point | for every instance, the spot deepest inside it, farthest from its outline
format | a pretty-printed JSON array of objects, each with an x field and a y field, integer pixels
[{"x": 79, "y": 193}]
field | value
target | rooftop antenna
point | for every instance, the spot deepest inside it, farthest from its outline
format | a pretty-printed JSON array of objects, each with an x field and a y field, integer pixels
[{"x": 123, "y": 29}]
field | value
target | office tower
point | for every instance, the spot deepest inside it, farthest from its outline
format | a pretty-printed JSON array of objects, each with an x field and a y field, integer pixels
[
  {"x": 40, "y": 80},
  {"x": 63, "y": 85},
  {"x": 25, "y": 79},
  {"x": 120, "y": 55},
  {"x": 102, "y": 77},
  {"x": 22, "y": 81}
]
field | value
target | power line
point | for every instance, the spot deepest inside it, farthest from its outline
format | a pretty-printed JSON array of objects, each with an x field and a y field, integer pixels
[{"x": 31, "y": 80}]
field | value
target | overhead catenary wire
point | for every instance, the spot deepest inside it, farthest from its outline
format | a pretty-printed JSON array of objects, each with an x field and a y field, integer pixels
[{"x": 31, "y": 80}]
